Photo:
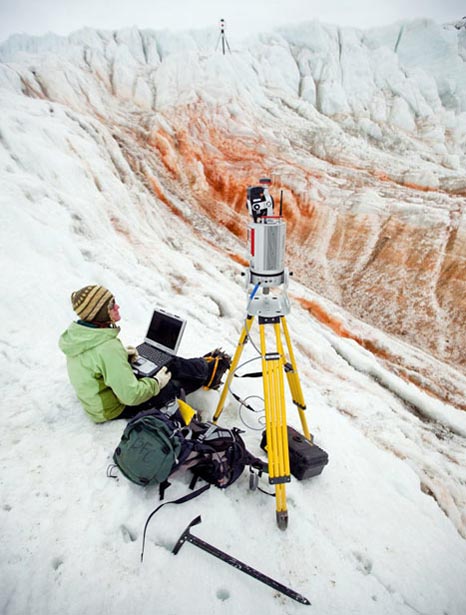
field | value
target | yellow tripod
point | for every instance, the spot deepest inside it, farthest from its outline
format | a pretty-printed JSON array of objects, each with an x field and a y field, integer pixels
[{"x": 274, "y": 364}]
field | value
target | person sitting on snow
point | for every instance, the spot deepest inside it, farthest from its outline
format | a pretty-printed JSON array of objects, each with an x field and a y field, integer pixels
[{"x": 99, "y": 365}]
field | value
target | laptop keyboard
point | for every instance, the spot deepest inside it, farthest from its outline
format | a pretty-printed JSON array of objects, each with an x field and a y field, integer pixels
[{"x": 155, "y": 355}]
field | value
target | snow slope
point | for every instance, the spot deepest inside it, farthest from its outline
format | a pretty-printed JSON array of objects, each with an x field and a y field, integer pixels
[{"x": 380, "y": 531}]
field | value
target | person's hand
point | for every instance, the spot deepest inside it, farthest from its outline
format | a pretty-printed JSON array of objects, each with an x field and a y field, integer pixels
[
  {"x": 133, "y": 354},
  {"x": 163, "y": 377}
]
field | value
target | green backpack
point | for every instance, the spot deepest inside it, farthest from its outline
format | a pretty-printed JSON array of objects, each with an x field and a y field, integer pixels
[{"x": 148, "y": 451}]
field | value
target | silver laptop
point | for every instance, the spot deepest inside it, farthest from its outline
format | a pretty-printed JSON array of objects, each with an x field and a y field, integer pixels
[{"x": 161, "y": 343}]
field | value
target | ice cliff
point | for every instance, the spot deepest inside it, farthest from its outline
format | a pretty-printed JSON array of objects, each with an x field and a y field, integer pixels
[{"x": 365, "y": 132}]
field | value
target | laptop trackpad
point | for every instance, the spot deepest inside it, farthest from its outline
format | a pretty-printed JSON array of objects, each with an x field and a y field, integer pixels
[{"x": 145, "y": 367}]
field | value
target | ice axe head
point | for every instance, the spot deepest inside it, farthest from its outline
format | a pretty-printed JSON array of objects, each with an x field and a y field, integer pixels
[{"x": 186, "y": 535}]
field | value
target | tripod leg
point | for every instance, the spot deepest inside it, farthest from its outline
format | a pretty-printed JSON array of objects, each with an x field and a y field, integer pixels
[
  {"x": 234, "y": 364},
  {"x": 275, "y": 420},
  {"x": 294, "y": 382}
]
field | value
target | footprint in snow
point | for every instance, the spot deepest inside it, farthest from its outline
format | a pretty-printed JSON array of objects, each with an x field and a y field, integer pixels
[
  {"x": 128, "y": 535},
  {"x": 223, "y": 594}
]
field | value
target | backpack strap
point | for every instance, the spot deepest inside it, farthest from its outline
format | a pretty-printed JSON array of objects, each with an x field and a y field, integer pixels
[
  {"x": 194, "y": 480},
  {"x": 185, "y": 498},
  {"x": 162, "y": 488},
  {"x": 250, "y": 375}
]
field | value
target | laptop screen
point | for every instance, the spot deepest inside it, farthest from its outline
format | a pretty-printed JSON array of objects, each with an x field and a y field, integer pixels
[{"x": 165, "y": 330}]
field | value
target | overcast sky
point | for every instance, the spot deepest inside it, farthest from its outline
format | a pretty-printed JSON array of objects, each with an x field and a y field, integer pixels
[{"x": 241, "y": 16}]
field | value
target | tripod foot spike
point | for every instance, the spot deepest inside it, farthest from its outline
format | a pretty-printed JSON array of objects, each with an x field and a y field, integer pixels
[{"x": 282, "y": 519}]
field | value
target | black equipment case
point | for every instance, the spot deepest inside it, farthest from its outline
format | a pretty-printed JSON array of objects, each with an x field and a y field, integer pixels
[{"x": 306, "y": 458}]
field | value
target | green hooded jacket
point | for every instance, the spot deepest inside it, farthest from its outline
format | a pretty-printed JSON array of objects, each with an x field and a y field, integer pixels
[{"x": 99, "y": 371}]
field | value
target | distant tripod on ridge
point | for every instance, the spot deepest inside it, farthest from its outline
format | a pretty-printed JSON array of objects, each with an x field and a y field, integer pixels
[{"x": 222, "y": 37}]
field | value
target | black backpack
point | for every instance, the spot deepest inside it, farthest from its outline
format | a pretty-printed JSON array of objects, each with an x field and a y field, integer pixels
[{"x": 218, "y": 455}]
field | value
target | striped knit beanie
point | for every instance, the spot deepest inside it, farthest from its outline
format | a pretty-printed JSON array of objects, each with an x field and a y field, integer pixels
[{"x": 91, "y": 303}]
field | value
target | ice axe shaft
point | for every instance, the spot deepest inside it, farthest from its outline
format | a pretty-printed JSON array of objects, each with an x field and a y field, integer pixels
[{"x": 186, "y": 536}]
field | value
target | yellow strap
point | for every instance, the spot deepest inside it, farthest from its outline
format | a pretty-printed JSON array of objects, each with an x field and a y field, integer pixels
[{"x": 214, "y": 371}]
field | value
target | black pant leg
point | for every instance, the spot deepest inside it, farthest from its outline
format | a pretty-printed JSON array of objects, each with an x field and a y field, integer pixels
[{"x": 188, "y": 375}]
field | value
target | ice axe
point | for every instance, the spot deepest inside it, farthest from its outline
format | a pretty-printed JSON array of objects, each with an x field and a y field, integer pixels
[{"x": 186, "y": 536}]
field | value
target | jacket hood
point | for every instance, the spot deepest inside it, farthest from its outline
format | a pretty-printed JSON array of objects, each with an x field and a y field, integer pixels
[{"x": 79, "y": 338}]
